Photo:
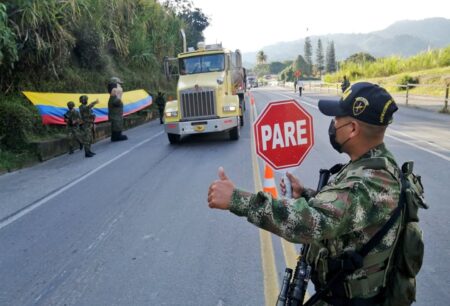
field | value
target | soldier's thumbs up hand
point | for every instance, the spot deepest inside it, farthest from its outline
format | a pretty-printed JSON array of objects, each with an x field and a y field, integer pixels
[
  {"x": 220, "y": 191},
  {"x": 222, "y": 175}
]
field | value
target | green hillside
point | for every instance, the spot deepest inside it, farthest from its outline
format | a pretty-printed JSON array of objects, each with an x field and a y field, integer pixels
[{"x": 431, "y": 69}]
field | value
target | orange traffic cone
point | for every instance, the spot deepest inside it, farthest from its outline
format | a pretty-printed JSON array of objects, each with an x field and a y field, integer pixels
[
  {"x": 252, "y": 100},
  {"x": 269, "y": 182}
]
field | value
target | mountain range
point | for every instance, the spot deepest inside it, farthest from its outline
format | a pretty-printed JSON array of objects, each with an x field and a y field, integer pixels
[{"x": 404, "y": 38}]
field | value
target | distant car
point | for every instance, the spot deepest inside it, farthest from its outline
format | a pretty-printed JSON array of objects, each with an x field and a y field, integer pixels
[{"x": 251, "y": 81}]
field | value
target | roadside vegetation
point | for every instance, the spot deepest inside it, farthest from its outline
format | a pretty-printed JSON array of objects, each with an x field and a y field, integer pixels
[
  {"x": 430, "y": 68},
  {"x": 76, "y": 46}
]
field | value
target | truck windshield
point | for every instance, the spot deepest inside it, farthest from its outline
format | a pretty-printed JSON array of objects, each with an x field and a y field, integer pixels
[{"x": 200, "y": 64}]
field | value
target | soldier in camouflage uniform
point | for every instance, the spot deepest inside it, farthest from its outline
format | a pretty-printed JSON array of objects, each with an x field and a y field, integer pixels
[
  {"x": 73, "y": 120},
  {"x": 345, "y": 84},
  {"x": 348, "y": 211},
  {"x": 115, "y": 109},
  {"x": 88, "y": 117},
  {"x": 161, "y": 103}
]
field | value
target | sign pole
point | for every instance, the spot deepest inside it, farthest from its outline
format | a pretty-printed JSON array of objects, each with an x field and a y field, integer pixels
[{"x": 288, "y": 185}]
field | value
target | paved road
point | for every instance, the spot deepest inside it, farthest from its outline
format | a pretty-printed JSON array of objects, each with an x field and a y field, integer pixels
[{"x": 131, "y": 226}]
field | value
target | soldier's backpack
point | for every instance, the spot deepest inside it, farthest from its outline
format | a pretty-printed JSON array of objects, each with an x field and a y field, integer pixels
[{"x": 409, "y": 249}]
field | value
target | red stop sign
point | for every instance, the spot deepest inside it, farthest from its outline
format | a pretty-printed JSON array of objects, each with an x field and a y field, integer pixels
[{"x": 283, "y": 134}]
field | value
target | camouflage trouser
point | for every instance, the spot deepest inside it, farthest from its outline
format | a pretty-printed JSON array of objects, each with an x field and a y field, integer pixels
[
  {"x": 88, "y": 137},
  {"x": 116, "y": 124},
  {"x": 75, "y": 137}
]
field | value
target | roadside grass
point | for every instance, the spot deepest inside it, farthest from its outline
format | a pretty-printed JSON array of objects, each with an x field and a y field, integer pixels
[
  {"x": 432, "y": 82},
  {"x": 10, "y": 161}
]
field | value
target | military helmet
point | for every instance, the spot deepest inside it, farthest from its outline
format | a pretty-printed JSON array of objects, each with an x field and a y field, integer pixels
[
  {"x": 115, "y": 80},
  {"x": 83, "y": 99},
  {"x": 70, "y": 104}
]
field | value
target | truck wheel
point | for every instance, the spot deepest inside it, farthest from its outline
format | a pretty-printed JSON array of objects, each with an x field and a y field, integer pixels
[
  {"x": 174, "y": 138},
  {"x": 235, "y": 133}
]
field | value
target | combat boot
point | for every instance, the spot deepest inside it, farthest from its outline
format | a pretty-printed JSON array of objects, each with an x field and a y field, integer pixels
[
  {"x": 114, "y": 136},
  {"x": 93, "y": 153},
  {"x": 121, "y": 137},
  {"x": 88, "y": 154},
  {"x": 70, "y": 151}
]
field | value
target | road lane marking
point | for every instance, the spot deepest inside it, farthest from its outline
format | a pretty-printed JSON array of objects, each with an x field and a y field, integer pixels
[
  {"x": 419, "y": 139},
  {"x": 271, "y": 287},
  {"x": 270, "y": 277},
  {"x": 419, "y": 147},
  {"x": 290, "y": 253},
  {"x": 19, "y": 214},
  {"x": 298, "y": 100}
]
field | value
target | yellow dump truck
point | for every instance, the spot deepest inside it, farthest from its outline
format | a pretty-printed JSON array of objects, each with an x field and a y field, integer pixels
[{"x": 210, "y": 92}]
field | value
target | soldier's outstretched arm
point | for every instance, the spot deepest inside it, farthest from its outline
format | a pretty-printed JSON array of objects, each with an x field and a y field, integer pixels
[
  {"x": 91, "y": 105},
  {"x": 336, "y": 210},
  {"x": 331, "y": 213}
]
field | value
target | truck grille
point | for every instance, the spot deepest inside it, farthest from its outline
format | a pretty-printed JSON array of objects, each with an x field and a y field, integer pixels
[{"x": 198, "y": 104}]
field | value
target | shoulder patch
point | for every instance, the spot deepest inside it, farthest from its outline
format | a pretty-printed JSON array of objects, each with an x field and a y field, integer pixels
[{"x": 326, "y": 197}]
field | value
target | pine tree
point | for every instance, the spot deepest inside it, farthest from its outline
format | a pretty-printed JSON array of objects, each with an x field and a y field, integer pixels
[
  {"x": 319, "y": 57},
  {"x": 300, "y": 64},
  {"x": 308, "y": 55},
  {"x": 330, "y": 58}
]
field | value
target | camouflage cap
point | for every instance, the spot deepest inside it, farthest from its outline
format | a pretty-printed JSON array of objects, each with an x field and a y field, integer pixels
[
  {"x": 70, "y": 104},
  {"x": 115, "y": 80}
]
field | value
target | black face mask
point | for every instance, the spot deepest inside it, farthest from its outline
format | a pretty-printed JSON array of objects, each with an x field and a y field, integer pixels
[{"x": 332, "y": 133}]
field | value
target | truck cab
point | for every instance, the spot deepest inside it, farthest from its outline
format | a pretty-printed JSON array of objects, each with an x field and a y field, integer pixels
[{"x": 210, "y": 92}]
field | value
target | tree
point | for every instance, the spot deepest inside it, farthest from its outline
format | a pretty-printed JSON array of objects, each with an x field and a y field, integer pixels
[
  {"x": 276, "y": 67},
  {"x": 308, "y": 55},
  {"x": 361, "y": 58},
  {"x": 261, "y": 70},
  {"x": 8, "y": 46},
  {"x": 300, "y": 64},
  {"x": 319, "y": 57},
  {"x": 195, "y": 20},
  {"x": 330, "y": 58},
  {"x": 261, "y": 57}
]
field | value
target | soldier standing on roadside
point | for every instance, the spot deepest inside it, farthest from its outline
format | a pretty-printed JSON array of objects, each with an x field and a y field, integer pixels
[
  {"x": 73, "y": 120},
  {"x": 88, "y": 117},
  {"x": 115, "y": 109},
  {"x": 345, "y": 84},
  {"x": 161, "y": 102},
  {"x": 348, "y": 211}
]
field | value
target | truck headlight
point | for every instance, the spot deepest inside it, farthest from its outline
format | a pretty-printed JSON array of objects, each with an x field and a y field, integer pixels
[
  {"x": 229, "y": 108},
  {"x": 172, "y": 113}
]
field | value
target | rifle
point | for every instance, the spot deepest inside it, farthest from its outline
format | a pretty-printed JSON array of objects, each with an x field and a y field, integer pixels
[{"x": 293, "y": 292}]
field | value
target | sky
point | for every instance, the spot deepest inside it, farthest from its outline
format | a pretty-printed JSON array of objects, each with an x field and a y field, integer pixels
[{"x": 249, "y": 25}]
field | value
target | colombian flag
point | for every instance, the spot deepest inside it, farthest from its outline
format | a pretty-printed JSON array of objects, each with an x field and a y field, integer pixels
[{"x": 53, "y": 106}]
